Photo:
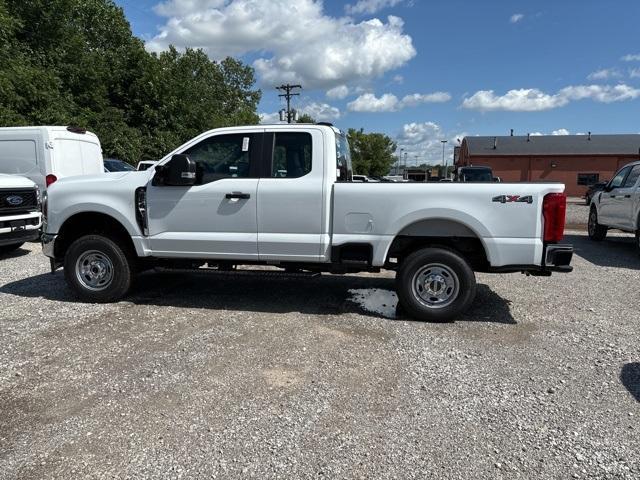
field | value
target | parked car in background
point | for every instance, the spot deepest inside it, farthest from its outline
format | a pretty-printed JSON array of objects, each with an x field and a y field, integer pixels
[
  {"x": 115, "y": 165},
  {"x": 20, "y": 218},
  {"x": 145, "y": 164},
  {"x": 617, "y": 205},
  {"x": 218, "y": 201},
  {"x": 46, "y": 154},
  {"x": 592, "y": 190},
  {"x": 364, "y": 179},
  {"x": 474, "y": 174}
]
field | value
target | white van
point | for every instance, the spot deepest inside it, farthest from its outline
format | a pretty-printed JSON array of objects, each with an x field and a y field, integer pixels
[{"x": 45, "y": 154}]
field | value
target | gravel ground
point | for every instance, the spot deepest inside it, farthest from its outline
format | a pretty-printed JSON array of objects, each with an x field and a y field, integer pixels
[
  {"x": 577, "y": 213},
  {"x": 206, "y": 376}
]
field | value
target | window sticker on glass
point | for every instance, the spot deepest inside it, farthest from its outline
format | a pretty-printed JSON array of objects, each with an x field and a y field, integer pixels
[{"x": 245, "y": 144}]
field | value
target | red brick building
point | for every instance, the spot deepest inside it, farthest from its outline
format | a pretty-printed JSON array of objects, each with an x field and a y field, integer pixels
[{"x": 576, "y": 160}]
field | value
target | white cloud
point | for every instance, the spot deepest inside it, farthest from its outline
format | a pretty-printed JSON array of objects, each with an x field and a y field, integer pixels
[
  {"x": 294, "y": 40},
  {"x": 369, "y": 6},
  {"x": 634, "y": 73},
  {"x": 319, "y": 111},
  {"x": 533, "y": 99},
  {"x": 601, "y": 93},
  {"x": 339, "y": 92},
  {"x": 423, "y": 140},
  {"x": 561, "y": 131},
  {"x": 516, "y": 17},
  {"x": 368, "y": 102},
  {"x": 270, "y": 118},
  {"x": 604, "y": 74},
  {"x": 388, "y": 102},
  {"x": 631, "y": 58},
  {"x": 399, "y": 79},
  {"x": 520, "y": 100}
]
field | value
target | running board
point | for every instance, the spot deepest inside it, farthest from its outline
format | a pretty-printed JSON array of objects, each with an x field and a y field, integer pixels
[{"x": 245, "y": 273}]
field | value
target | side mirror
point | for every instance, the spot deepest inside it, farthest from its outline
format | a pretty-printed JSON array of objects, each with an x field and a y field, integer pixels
[{"x": 180, "y": 171}]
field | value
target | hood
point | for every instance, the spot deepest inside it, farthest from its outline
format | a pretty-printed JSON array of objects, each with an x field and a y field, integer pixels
[
  {"x": 142, "y": 176},
  {"x": 15, "y": 181}
]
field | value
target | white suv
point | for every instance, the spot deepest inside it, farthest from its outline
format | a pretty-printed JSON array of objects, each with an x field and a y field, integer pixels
[
  {"x": 617, "y": 205},
  {"x": 20, "y": 218}
]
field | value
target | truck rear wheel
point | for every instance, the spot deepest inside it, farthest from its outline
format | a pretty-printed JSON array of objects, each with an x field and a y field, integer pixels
[
  {"x": 596, "y": 231},
  {"x": 97, "y": 269},
  {"x": 435, "y": 285}
]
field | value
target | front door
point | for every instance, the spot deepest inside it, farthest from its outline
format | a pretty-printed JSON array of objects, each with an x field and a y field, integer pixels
[
  {"x": 216, "y": 218},
  {"x": 625, "y": 197},
  {"x": 611, "y": 200}
]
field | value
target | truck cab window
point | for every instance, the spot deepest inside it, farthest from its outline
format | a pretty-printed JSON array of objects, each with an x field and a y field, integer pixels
[
  {"x": 223, "y": 156},
  {"x": 619, "y": 178},
  {"x": 343, "y": 158},
  {"x": 292, "y": 155}
]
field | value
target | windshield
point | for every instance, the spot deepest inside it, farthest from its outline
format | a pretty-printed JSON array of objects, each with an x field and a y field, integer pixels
[
  {"x": 343, "y": 158},
  {"x": 479, "y": 175},
  {"x": 117, "y": 166}
]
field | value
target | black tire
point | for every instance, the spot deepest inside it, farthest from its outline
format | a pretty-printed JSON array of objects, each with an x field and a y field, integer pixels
[
  {"x": 98, "y": 254},
  {"x": 451, "y": 277},
  {"x": 10, "y": 248},
  {"x": 596, "y": 231}
]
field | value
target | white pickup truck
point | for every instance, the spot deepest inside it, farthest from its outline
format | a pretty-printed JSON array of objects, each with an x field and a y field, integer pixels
[
  {"x": 282, "y": 195},
  {"x": 20, "y": 218},
  {"x": 617, "y": 205}
]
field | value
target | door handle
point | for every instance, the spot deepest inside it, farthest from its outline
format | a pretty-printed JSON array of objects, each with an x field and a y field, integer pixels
[
  {"x": 627, "y": 196},
  {"x": 612, "y": 196},
  {"x": 240, "y": 195}
]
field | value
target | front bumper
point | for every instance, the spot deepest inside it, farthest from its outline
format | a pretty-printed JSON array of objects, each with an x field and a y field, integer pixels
[
  {"x": 20, "y": 236},
  {"x": 48, "y": 244}
]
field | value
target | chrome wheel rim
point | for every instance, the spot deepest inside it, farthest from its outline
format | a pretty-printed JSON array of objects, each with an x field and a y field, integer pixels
[
  {"x": 94, "y": 270},
  {"x": 435, "y": 285}
]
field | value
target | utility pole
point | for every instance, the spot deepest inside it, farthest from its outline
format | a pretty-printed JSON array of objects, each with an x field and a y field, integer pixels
[
  {"x": 288, "y": 89},
  {"x": 444, "y": 142}
]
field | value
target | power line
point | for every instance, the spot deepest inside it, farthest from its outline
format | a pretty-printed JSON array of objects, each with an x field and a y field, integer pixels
[{"x": 288, "y": 89}]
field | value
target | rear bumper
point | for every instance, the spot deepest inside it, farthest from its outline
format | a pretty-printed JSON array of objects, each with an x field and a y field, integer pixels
[{"x": 557, "y": 258}]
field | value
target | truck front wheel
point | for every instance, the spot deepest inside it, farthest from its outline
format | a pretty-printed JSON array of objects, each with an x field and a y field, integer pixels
[
  {"x": 97, "y": 269},
  {"x": 596, "y": 231},
  {"x": 435, "y": 285}
]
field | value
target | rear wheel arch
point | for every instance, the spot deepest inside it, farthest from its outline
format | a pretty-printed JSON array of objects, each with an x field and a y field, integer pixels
[{"x": 441, "y": 233}]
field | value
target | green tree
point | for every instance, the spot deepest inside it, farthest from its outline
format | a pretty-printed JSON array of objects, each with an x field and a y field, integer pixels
[
  {"x": 306, "y": 118},
  {"x": 77, "y": 62},
  {"x": 371, "y": 153}
]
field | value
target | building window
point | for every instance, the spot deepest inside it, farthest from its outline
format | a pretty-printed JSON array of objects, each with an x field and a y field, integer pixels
[{"x": 588, "y": 178}]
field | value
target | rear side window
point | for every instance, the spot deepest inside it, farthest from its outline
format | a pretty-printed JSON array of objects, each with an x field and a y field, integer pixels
[
  {"x": 223, "y": 156},
  {"x": 292, "y": 155},
  {"x": 17, "y": 156},
  {"x": 633, "y": 177},
  {"x": 343, "y": 159}
]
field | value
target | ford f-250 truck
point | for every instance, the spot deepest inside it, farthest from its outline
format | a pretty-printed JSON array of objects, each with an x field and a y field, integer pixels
[
  {"x": 20, "y": 218},
  {"x": 282, "y": 195}
]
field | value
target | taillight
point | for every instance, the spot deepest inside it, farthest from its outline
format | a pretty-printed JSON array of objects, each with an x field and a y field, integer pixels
[
  {"x": 50, "y": 179},
  {"x": 554, "y": 209}
]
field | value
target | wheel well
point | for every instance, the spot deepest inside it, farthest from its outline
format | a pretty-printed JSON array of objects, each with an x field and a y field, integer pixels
[
  {"x": 470, "y": 248},
  {"x": 87, "y": 223}
]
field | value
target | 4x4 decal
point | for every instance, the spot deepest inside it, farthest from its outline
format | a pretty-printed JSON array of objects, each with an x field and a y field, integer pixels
[{"x": 512, "y": 198}]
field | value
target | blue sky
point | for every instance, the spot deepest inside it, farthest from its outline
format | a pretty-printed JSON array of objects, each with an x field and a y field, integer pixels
[{"x": 422, "y": 71}]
